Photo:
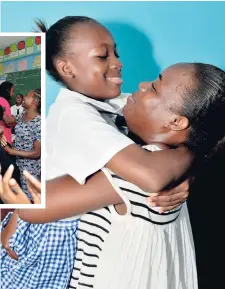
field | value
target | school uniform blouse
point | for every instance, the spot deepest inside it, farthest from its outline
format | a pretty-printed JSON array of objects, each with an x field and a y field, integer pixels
[
  {"x": 79, "y": 142},
  {"x": 81, "y": 134},
  {"x": 7, "y": 131}
]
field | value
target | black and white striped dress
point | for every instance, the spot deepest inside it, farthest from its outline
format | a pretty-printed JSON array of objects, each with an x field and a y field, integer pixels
[{"x": 139, "y": 250}]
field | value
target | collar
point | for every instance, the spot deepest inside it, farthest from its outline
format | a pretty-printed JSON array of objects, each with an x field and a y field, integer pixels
[{"x": 112, "y": 105}]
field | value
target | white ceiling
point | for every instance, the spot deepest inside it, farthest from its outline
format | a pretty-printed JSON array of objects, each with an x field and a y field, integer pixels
[{"x": 8, "y": 40}]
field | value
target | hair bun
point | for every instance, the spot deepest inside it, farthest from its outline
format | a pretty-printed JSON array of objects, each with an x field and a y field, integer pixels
[{"x": 41, "y": 26}]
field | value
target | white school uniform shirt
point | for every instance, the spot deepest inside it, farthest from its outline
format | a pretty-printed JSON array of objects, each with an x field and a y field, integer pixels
[
  {"x": 17, "y": 110},
  {"x": 80, "y": 139}
]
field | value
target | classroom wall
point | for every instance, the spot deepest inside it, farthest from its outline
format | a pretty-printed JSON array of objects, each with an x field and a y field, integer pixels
[
  {"x": 150, "y": 35},
  {"x": 20, "y": 56}
]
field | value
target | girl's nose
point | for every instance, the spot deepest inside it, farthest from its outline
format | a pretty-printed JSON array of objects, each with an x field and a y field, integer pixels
[{"x": 116, "y": 64}]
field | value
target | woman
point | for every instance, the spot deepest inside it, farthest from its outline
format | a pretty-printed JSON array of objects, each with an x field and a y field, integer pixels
[
  {"x": 5, "y": 159},
  {"x": 6, "y": 92},
  {"x": 28, "y": 138}
]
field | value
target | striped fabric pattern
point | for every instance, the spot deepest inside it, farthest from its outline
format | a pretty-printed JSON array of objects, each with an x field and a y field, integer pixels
[{"x": 139, "y": 250}]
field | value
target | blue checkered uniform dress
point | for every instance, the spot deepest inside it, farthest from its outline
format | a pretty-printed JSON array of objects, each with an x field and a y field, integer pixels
[{"x": 45, "y": 255}]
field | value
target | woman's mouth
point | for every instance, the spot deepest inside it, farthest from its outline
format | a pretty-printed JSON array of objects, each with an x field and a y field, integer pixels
[{"x": 116, "y": 80}]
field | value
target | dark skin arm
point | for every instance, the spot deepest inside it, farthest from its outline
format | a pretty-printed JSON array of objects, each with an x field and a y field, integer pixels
[
  {"x": 9, "y": 120},
  {"x": 33, "y": 154},
  {"x": 152, "y": 172},
  {"x": 95, "y": 194},
  {"x": 75, "y": 200}
]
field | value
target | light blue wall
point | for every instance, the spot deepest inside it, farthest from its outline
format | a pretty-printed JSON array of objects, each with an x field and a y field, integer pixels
[{"x": 150, "y": 35}]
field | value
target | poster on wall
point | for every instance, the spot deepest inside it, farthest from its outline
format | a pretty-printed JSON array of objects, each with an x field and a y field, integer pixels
[
  {"x": 21, "y": 48},
  {"x": 9, "y": 68},
  {"x": 38, "y": 42},
  {"x": 7, "y": 53},
  {"x": 22, "y": 65},
  {"x": 1, "y": 69},
  {"x": 13, "y": 50},
  {"x": 37, "y": 62},
  {"x": 1, "y": 55},
  {"x": 30, "y": 45}
]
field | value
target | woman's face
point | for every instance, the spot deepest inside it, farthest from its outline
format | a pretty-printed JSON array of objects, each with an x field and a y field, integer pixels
[
  {"x": 150, "y": 111},
  {"x": 11, "y": 92},
  {"x": 92, "y": 59}
]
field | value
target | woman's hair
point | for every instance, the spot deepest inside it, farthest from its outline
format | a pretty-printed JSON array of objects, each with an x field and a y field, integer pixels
[
  {"x": 37, "y": 95},
  {"x": 1, "y": 112},
  {"x": 204, "y": 106},
  {"x": 56, "y": 39},
  {"x": 5, "y": 88}
]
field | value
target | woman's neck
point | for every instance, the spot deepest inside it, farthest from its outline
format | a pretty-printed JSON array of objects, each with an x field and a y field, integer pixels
[{"x": 30, "y": 114}]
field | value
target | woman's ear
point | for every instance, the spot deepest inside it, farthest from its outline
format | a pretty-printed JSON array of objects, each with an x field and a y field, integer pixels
[
  {"x": 178, "y": 123},
  {"x": 64, "y": 69}
]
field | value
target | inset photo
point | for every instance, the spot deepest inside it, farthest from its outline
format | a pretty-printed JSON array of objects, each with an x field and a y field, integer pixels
[{"x": 22, "y": 86}]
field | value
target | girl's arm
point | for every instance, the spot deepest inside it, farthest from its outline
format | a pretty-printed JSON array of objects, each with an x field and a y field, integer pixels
[
  {"x": 152, "y": 172},
  {"x": 66, "y": 198},
  {"x": 96, "y": 144},
  {"x": 33, "y": 154}
]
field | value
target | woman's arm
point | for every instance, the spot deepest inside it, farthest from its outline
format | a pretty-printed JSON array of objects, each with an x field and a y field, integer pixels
[
  {"x": 66, "y": 198},
  {"x": 33, "y": 154},
  {"x": 9, "y": 120}
]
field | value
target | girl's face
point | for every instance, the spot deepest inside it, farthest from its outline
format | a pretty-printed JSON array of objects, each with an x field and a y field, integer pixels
[
  {"x": 19, "y": 99},
  {"x": 91, "y": 64},
  {"x": 153, "y": 112},
  {"x": 28, "y": 100}
]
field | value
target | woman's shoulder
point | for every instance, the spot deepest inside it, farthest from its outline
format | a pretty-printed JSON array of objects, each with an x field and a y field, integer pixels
[{"x": 3, "y": 101}]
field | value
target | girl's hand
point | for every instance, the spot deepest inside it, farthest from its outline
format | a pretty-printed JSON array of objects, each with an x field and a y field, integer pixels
[
  {"x": 10, "y": 191},
  {"x": 34, "y": 187},
  {"x": 7, "y": 233}
]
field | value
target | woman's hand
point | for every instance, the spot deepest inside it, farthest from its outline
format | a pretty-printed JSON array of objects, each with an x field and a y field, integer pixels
[
  {"x": 10, "y": 191},
  {"x": 169, "y": 199}
]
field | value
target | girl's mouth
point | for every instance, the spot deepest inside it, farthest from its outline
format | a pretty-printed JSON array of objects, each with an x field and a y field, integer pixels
[
  {"x": 116, "y": 80},
  {"x": 131, "y": 99}
]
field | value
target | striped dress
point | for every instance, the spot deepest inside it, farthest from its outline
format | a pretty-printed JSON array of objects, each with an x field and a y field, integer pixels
[{"x": 141, "y": 249}]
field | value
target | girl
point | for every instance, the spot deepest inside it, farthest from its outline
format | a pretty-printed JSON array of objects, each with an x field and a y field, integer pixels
[
  {"x": 28, "y": 138},
  {"x": 81, "y": 139},
  {"x": 6, "y": 92}
]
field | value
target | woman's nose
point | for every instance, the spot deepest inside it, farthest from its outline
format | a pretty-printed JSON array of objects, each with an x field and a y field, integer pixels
[{"x": 143, "y": 86}]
